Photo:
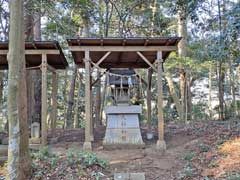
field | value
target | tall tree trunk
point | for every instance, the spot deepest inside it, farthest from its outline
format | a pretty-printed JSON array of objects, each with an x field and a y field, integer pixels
[
  {"x": 98, "y": 100},
  {"x": 221, "y": 73},
  {"x": 232, "y": 88},
  {"x": 28, "y": 21},
  {"x": 210, "y": 74},
  {"x": 221, "y": 78},
  {"x": 19, "y": 162},
  {"x": 189, "y": 82},
  {"x": 69, "y": 117},
  {"x": 238, "y": 82},
  {"x": 65, "y": 98},
  {"x": 37, "y": 74},
  {"x": 174, "y": 95},
  {"x": 182, "y": 32}
]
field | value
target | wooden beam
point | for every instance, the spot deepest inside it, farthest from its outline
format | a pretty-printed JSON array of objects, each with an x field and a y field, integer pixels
[
  {"x": 103, "y": 58},
  {"x": 87, "y": 143},
  {"x": 54, "y": 100},
  {"x": 123, "y": 48},
  {"x": 50, "y": 68},
  {"x": 34, "y": 51},
  {"x": 44, "y": 101},
  {"x": 98, "y": 79},
  {"x": 161, "y": 145},
  {"x": 147, "y": 61},
  {"x": 149, "y": 97}
]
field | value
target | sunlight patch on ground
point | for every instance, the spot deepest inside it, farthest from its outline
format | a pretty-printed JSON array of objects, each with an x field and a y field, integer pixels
[{"x": 229, "y": 160}]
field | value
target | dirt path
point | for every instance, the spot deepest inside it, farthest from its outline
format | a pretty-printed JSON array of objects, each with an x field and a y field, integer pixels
[{"x": 155, "y": 164}]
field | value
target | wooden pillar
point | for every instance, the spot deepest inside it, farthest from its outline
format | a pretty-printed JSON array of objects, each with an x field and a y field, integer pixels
[
  {"x": 161, "y": 145},
  {"x": 149, "y": 94},
  {"x": 87, "y": 143},
  {"x": 91, "y": 113},
  {"x": 54, "y": 100},
  {"x": 44, "y": 101}
]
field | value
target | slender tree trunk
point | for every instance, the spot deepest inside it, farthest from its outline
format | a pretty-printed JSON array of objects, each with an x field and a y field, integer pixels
[
  {"x": 221, "y": 79},
  {"x": 232, "y": 88},
  {"x": 69, "y": 120},
  {"x": 37, "y": 74},
  {"x": 76, "y": 120},
  {"x": 28, "y": 21},
  {"x": 65, "y": 98},
  {"x": 238, "y": 80},
  {"x": 189, "y": 96},
  {"x": 210, "y": 74},
  {"x": 19, "y": 163},
  {"x": 154, "y": 9},
  {"x": 182, "y": 32},
  {"x": 174, "y": 95}
]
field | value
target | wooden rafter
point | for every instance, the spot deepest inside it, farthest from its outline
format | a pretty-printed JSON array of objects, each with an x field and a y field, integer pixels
[
  {"x": 103, "y": 58},
  {"x": 147, "y": 61}
]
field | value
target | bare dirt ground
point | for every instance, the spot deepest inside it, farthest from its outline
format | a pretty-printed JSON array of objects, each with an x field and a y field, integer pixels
[
  {"x": 197, "y": 151},
  {"x": 193, "y": 152}
]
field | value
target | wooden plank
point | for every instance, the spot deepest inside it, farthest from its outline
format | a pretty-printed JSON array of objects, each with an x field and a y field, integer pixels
[
  {"x": 54, "y": 100},
  {"x": 147, "y": 61},
  {"x": 34, "y": 52},
  {"x": 122, "y": 48},
  {"x": 103, "y": 58},
  {"x": 160, "y": 97},
  {"x": 149, "y": 97},
  {"x": 44, "y": 100}
]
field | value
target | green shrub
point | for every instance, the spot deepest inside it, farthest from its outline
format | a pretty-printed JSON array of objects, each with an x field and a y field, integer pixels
[
  {"x": 85, "y": 159},
  {"x": 189, "y": 156}
]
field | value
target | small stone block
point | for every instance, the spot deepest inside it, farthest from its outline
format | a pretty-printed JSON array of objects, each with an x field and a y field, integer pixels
[
  {"x": 129, "y": 176},
  {"x": 137, "y": 176},
  {"x": 121, "y": 176}
]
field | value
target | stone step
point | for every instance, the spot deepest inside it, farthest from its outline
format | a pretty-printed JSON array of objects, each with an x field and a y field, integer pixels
[{"x": 129, "y": 176}]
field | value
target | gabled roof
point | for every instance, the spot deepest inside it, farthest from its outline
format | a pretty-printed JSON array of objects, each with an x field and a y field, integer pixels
[
  {"x": 123, "y": 50},
  {"x": 34, "y": 49}
]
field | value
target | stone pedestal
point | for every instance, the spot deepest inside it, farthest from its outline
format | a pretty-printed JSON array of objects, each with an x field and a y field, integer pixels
[{"x": 123, "y": 127}]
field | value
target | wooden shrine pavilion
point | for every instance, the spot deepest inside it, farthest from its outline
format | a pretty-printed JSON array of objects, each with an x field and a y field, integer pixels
[
  {"x": 132, "y": 53},
  {"x": 47, "y": 56}
]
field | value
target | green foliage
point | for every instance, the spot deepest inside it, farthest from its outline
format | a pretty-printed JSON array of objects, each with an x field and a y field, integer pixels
[
  {"x": 203, "y": 147},
  {"x": 46, "y": 156},
  {"x": 189, "y": 156},
  {"x": 199, "y": 111},
  {"x": 187, "y": 172},
  {"x": 85, "y": 159}
]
